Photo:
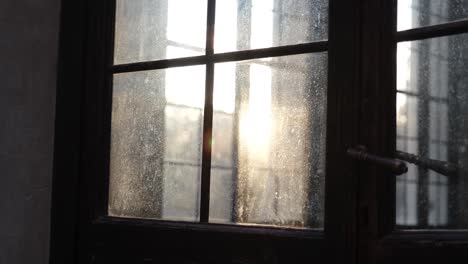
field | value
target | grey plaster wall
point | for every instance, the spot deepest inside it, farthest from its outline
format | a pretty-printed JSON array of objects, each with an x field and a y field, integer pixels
[{"x": 28, "y": 63}]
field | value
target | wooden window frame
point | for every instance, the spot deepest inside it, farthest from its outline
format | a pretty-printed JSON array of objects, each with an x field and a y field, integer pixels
[
  {"x": 379, "y": 239},
  {"x": 209, "y": 60},
  {"x": 79, "y": 206}
]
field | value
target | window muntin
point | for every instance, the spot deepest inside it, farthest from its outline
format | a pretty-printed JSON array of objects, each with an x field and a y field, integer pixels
[{"x": 167, "y": 177}]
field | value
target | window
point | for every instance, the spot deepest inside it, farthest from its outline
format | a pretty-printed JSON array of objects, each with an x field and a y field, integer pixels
[
  {"x": 430, "y": 100},
  {"x": 223, "y": 130},
  {"x": 180, "y": 141}
]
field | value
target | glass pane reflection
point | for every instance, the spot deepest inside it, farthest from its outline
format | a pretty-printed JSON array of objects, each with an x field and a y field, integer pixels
[
  {"x": 419, "y": 13},
  {"x": 148, "y": 30},
  {"x": 432, "y": 121},
  {"x": 269, "y": 141},
  {"x": 250, "y": 24},
  {"x": 156, "y": 144}
]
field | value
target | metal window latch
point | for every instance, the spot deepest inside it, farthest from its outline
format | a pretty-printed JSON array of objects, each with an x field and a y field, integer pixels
[
  {"x": 396, "y": 166},
  {"x": 441, "y": 167}
]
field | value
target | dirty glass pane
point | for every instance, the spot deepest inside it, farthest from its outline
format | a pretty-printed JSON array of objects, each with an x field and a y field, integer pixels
[
  {"x": 419, "y": 13},
  {"x": 432, "y": 122},
  {"x": 246, "y": 24},
  {"x": 148, "y": 30},
  {"x": 222, "y": 194},
  {"x": 156, "y": 144},
  {"x": 269, "y": 141}
]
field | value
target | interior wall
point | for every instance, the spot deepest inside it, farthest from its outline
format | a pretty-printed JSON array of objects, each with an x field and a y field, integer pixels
[{"x": 28, "y": 64}]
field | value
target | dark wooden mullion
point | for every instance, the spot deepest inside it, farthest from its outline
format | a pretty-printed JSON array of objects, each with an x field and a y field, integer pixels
[
  {"x": 319, "y": 46},
  {"x": 341, "y": 203},
  {"x": 65, "y": 217},
  {"x": 95, "y": 121},
  {"x": 440, "y": 30},
  {"x": 208, "y": 117},
  {"x": 312, "y": 47},
  {"x": 111, "y": 7},
  {"x": 376, "y": 192},
  {"x": 424, "y": 246},
  {"x": 97, "y": 101},
  {"x": 176, "y": 226},
  {"x": 160, "y": 64}
]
